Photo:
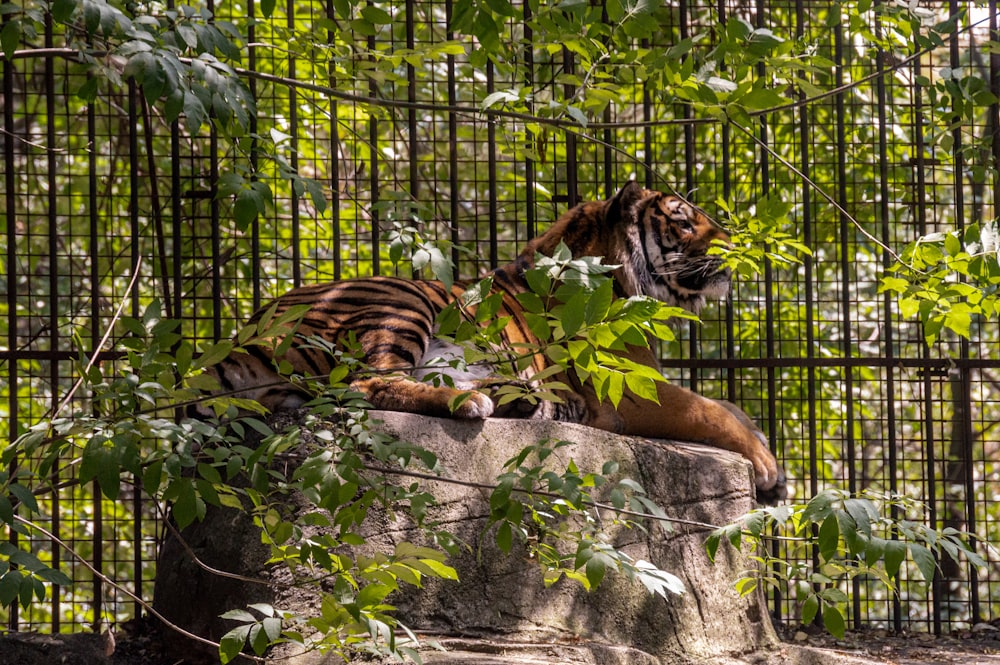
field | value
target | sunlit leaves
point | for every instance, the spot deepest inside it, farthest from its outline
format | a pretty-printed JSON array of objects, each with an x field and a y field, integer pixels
[
  {"x": 851, "y": 537},
  {"x": 405, "y": 240},
  {"x": 947, "y": 280},
  {"x": 545, "y": 509},
  {"x": 577, "y": 325},
  {"x": 760, "y": 234}
]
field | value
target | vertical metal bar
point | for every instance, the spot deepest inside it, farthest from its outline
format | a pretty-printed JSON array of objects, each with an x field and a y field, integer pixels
[
  {"x": 133, "y": 203},
  {"x": 730, "y": 311},
  {"x": 373, "y": 129},
  {"x": 411, "y": 97},
  {"x": 530, "y": 214},
  {"x": 95, "y": 310},
  {"x": 805, "y": 165},
  {"x": 293, "y": 122},
  {"x": 689, "y": 152},
  {"x": 491, "y": 167},
  {"x": 688, "y": 134},
  {"x": 331, "y": 37},
  {"x": 881, "y": 61},
  {"x": 256, "y": 274},
  {"x": 135, "y": 234},
  {"x": 453, "y": 193},
  {"x": 213, "y": 158},
  {"x": 572, "y": 187},
  {"x": 13, "y": 424},
  {"x": 54, "y": 341},
  {"x": 846, "y": 261},
  {"x": 966, "y": 433},
  {"x": 769, "y": 339},
  {"x": 176, "y": 207},
  {"x": 95, "y": 239},
  {"x": 920, "y": 210},
  {"x": 647, "y": 130},
  {"x": 611, "y": 184}
]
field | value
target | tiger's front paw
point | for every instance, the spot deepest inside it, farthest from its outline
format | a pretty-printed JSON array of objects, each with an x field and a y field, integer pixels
[
  {"x": 768, "y": 475},
  {"x": 474, "y": 406}
]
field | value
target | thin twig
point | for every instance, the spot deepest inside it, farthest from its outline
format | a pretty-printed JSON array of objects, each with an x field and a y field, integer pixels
[
  {"x": 701, "y": 526},
  {"x": 107, "y": 334},
  {"x": 818, "y": 189}
]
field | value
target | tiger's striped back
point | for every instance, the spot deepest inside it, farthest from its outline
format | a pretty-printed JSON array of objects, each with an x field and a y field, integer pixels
[{"x": 658, "y": 242}]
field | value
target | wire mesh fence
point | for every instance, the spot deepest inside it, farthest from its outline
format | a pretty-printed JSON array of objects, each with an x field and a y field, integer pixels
[{"x": 108, "y": 205}]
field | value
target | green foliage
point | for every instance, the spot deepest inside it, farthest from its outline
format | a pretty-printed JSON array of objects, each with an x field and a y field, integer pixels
[
  {"x": 579, "y": 326},
  {"x": 185, "y": 63},
  {"x": 948, "y": 279},
  {"x": 337, "y": 461},
  {"x": 759, "y": 236},
  {"x": 851, "y": 536},
  {"x": 421, "y": 254},
  {"x": 551, "y": 513}
]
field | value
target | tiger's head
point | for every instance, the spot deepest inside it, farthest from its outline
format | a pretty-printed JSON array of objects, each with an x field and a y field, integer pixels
[{"x": 661, "y": 242}]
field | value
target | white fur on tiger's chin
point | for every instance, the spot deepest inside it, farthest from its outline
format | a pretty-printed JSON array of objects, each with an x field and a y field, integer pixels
[{"x": 693, "y": 300}]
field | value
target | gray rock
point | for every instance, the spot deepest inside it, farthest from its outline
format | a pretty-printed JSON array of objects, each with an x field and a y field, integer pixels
[{"x": 501, "y": 612}]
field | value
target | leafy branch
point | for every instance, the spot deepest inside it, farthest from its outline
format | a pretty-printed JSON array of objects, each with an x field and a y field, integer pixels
[
  {"x": 948, "y": 279},
  {"x": 852, "y": 536}
]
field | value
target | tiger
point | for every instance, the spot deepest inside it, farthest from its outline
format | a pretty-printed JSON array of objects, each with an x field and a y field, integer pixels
[{"x": 657, "y": 244}]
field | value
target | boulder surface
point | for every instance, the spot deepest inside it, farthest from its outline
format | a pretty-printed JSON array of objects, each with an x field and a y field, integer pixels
[{"x": 500, "y": 611}]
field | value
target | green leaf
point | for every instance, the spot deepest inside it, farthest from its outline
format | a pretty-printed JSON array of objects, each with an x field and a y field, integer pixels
[
  {"x": 10, "y": 37},
  {"x": 88, "y": 89},
  {"x": 577, "y": 114},
  {"x": 26, "y": 591},
  {"x": 54, "y": 576},
  {"x": 712, "y": 544},
  {"x": 505, "y": 537},
  {"x": 214, "y": 354},
  {"x": 238, "y": 615},
  {"x": 809, "y": 609},
  {"x": 62, "y": 10},
  {"x": 643, "y": 387},
  {"x": 10, "y": 587},
  {"x": 924, "y": 560},
  {"x": 246, "y": 208},
  {"x": 376, "y": 15},
  {"x": 599, "y": 302},
  {"x": 596, "y": 568},
  {"x": 833, "y": 621},
  {"x": 24, "y": 496},
  {"x": 829, "y": 537},
  {"x": 232, "y": 643},
  {"x": 895, "y": 553}
]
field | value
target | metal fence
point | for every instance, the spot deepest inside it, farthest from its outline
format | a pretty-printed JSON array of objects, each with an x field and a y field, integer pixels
[{"x": 96, "y": 193}]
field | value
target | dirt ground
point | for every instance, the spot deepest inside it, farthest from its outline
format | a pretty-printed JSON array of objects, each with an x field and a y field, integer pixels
[
  {"x": 980, "y": 647},
  {"x": 141, "y": 643},
  {"x": 968, "y": 647}
]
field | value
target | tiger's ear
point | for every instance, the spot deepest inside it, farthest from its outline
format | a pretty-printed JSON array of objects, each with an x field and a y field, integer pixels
[{"x": 621, "y": 208}]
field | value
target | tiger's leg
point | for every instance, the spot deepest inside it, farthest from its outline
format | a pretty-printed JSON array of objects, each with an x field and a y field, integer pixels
[
  {"x": 400, "y": 393},
  {"x": 685, "y": 415}
]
